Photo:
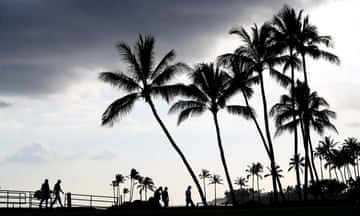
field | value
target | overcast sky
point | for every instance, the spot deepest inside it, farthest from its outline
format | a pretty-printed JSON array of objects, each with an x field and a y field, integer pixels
[{"x": 51, "y": 101}]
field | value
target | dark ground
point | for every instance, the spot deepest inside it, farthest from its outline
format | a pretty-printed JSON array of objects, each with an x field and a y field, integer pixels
[{"x": 338, "y": 210}]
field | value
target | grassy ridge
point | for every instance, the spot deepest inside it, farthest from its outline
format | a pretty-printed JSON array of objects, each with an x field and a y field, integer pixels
[{"x": 294, "y": 211}]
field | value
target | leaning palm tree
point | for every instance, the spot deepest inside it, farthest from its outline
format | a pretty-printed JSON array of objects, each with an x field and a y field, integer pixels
[
  {"x": 209, "y": 91},
  {"x": 215, "y": 179},
  {"x": 144, "y": 80},
  {"x": 260, "y": 55},
  {"x": 205, "y": 174}
]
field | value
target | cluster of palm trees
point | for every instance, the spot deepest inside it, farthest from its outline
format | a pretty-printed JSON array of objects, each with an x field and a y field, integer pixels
[
  {"x": 143, "y": 185},
  {"x": 214, "y": 180},
  {"x": 339, "y": 159},
  {"x": 279, "y": 45}
]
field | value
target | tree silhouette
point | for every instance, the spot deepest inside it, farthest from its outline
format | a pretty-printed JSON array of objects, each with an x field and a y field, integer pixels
[
  {"x": 119, "y": 179},
  {"x": 134, "y": 175},
  {"x": 209, "y": 91},
  {"x": 324, "y": 150},
  {"x": 145, "y": 80},
  {"x": 146, "y": 184},
  {"x": 204, "y": 175},
  {"x": 255, "y": 170},
  {"x": 352, "y": 146},
  {"x": 260, "y": 55},
  {"x": 241, "y": 181},
  {"x": 215, "y": 179}
]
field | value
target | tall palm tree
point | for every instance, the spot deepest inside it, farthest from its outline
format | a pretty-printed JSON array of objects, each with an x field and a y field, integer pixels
[
  {"x": 286, "y": 28},
  {"x": 215, "y": 179},
  {"x": 259, "y": 55},
  {"x": 205, "y": 174},
  {"x": 241, "y": 181},
  {"x": 144, "y": 80},
  {"x": 209, "y": 91},
  {"x": 310, "y": 111},
  {"x": 255, "y": 170},
  {"x": 115, "y": 185}
]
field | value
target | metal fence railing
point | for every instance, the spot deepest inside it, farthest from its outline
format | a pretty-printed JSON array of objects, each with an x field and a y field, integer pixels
[{"x": 26, "y": 199}]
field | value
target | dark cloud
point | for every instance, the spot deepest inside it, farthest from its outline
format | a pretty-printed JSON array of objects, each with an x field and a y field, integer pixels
[{"x": 37, "y": 36}]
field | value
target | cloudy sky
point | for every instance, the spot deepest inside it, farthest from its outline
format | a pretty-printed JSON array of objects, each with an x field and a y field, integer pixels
[{"x": 51, "y": 101}]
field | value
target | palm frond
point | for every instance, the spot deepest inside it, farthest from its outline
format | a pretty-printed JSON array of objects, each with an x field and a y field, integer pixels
[
  {"x": 119, "y": 80},
  {"x": 169, "y": 72},
  {"x": 246, "y": 112},
  {"x": 118, "y": 108}
]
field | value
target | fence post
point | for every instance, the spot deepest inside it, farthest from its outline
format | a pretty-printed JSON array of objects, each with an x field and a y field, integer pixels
[{"x": 68, "y": 199}]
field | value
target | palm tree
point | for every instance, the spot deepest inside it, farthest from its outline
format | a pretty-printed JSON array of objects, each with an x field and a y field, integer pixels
[
  {"x": 259, "y": 55},
  {"x": 255, "y": 170},
  {"x": 119, "y": 179},
  {"x": 204, "y": 175},
  {"x": 277, "y": 172},
  {"x": 146, "y": 183},
  {"x": 286, "y": 28},
  {"x": 352, "y": 146},
  {"x": 134, "y": 175},
  {"x": 210, "y": 90},
  {"x": 145, "y": 80},
  {"x": 296, "y": 161},
  {"x": 325, "y": 148},
  {"x": 125, "y": 191},
  {"x": 310, "y": 113},
  {"x": 215, "y": 179},
  {"x": 114, "y": 185},
  {"x": 241, "y": 181}
]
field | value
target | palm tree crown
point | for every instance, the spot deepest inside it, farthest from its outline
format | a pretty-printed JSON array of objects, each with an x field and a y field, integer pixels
[{"x": 144, "y": 80}]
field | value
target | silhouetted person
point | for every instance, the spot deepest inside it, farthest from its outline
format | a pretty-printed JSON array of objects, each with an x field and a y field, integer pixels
[
  {"x": 57, "y": 191},
  {"x": 157, "y": 196},
  {"x": 165, "y": 197},
  {"x": 188, "y": 197},
  {"x": 45, "y": 193}
]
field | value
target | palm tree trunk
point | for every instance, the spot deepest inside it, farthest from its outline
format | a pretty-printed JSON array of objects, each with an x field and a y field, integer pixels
[
  {"x": 215, "y": 193},
  {"x": 307, "y": 168},
  {"x": 257, "y": 126},
  {"x": 258, "y": 188},
  {"x": 312, "y": 155},
  {"x": 177, "y": 149},
  {"x": 268, "y": 135},
  {"x": 204, "y": 188},
  {"x": 321, "y": 168},
  {"x": 253, "y": 186},
  {"x": 223, "y": 160},
  {"x": 296, "y": 145}
]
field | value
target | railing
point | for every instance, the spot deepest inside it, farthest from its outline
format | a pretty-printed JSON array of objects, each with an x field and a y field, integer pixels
[
  {"x": 91, "y": 201},
  {"x": 25, "y": 199}
]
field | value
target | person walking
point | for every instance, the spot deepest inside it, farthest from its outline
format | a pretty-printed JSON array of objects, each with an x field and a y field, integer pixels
[
  {"x": 45, "y": 193},
  {"x": 188, "y": 197},
  {"x": 57, "y": 191},
  {"x": 165, "y": 197}
]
